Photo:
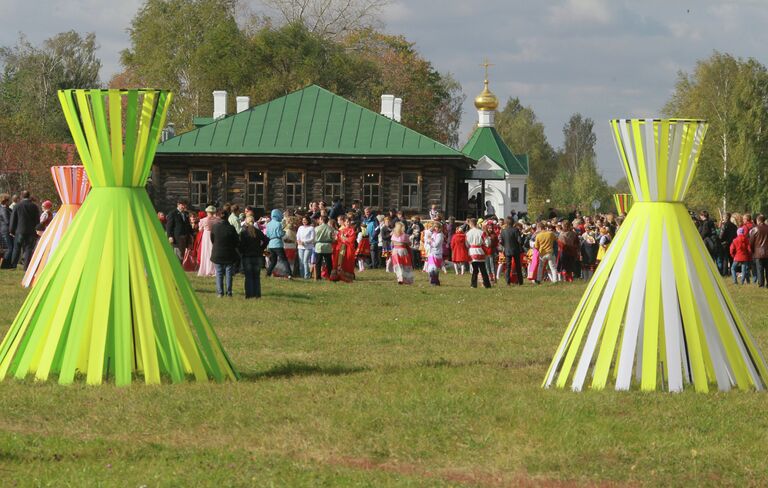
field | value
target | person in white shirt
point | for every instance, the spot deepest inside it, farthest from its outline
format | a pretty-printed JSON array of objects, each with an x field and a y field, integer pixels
[
  {"x": 305, "y": 238},
  {"x": 475, "y": 238}
]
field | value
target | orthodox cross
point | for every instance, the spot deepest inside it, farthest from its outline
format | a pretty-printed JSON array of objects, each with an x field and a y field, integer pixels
[{"x": 485, "y": 65}]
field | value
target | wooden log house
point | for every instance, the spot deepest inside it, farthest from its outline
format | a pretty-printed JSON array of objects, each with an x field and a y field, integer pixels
[{"x": 307, "y": 146}]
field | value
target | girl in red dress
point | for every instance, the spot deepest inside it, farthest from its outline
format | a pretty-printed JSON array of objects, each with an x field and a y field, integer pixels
[
  {"x": 459, "y": 254},
  {"x": 363, "y": 247},
  {"x": 343, "y": 259}
]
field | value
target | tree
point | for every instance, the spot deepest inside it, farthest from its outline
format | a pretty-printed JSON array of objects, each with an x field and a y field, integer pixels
[
  {"x": 524, "y": 133},
  {"x": 329, "y": 19},
  {"x": 191, "y": 47},
  {"x": 432, "y": 101},
  {"x": 579, "y": 142},
  {"x": 732, "y": 94},
  {"x": 577, "y": 189},
  {"x": 31, "y": 76},
  {"x": 291, "y": 57}
]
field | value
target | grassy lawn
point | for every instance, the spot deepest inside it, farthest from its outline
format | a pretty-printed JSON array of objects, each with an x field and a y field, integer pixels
[{"x": 372, "y": 384}]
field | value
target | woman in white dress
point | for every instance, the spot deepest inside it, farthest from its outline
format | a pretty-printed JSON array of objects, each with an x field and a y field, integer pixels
[{"x": 206, "y": 224}]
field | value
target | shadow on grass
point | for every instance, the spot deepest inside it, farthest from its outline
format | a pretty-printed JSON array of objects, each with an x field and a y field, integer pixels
[
  {"x": 292, "y": 369},
  {"x": 288, "y": 294},
  {"x": 513, "y": 364}
]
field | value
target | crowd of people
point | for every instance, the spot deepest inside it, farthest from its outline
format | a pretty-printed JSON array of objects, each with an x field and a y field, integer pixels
[
  {"x": 335, "y": 243},
  {"x": 22, "y": 222}
]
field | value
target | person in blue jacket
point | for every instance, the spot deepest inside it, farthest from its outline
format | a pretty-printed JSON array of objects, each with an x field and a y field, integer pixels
[
  {"x": 370, "y": 222},
  {"x": 275, "y": 235}
]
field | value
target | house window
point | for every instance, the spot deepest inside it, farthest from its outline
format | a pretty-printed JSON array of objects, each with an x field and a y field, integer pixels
[
  {"x": 199, "y": 188},
  {"x": 514, "y": 194},
  {"x": 410, "y": 194},
  {"x": 333, "y": 185},
  {"x": 294, "y": 189},
  {"x": 256, "y": 189},
  {"x": 525, "y": 193},
  {"x": 372, "y": 189}
]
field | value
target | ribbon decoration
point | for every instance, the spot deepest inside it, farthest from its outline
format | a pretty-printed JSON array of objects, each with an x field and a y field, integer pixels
[
  {"x": 113, "y": 300},
  {"x": 623, "y": 202},
  {"x": 72, "y": 184},
  {"x": 656, "y": 310}
]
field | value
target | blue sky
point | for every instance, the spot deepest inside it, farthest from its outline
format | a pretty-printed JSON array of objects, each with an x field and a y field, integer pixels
[{"x": 601, "y": 58}]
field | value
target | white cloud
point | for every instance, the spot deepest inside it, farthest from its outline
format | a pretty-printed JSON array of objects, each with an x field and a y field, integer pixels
[{"x": 581, "y": 11}]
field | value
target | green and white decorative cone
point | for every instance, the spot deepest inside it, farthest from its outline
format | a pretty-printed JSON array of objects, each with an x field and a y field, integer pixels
[{"x": 657, "y": 310}]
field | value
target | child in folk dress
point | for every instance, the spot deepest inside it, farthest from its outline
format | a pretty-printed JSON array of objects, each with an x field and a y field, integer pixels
[
  {"x": 363, "y": 247},
  {"x": 459, "y": 254}
]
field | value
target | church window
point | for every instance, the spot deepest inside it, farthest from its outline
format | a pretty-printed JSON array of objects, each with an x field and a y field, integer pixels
[
  {"x": 334, "y": 185},
  {"x": 410, "y": 194},
  {"x": 294, "y": 189},
  {"x": 199, "y": 188},
  {"x": 514, "y": 194},
  {"x": 372, "y": 189}
]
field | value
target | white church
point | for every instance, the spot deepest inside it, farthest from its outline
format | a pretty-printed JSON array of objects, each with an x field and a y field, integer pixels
[{"x": 502, "y": 176}]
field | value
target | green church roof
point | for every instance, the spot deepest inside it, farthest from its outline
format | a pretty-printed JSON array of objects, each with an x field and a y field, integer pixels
[
  {"x": 486, "y": 141},
  {"x": 307, "y": 122}
]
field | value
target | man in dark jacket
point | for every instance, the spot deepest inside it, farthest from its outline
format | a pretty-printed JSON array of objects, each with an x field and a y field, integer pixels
[
  {"x": 758, "y": 239},
  {"x": 6, "y": 241},
  {"x": 511, "y": 242},
  {"x": 178, "y": 228},
  {"x": 727, "y": 235},
  {"x": 24, "y": 221},
  {"x": 224, "y": 254},
  {"x": 709, "y": 235}
]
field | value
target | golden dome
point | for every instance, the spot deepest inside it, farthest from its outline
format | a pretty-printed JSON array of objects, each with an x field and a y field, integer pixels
[{"x": 486, "y": 100}]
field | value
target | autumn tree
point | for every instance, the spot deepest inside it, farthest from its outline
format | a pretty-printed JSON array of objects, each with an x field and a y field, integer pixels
[{"x": 432, "y": 101}]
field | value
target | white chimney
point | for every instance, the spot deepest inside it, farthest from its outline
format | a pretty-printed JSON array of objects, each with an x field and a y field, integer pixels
[
  {"x": 388, "y": 106},
  {"x": 243, "y": 103},
  {"x": 398, "y": 109},
  {"x": 219, "y": 104}
]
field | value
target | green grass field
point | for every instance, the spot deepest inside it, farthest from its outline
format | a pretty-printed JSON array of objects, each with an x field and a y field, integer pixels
[{"x": 372, "y": 384}]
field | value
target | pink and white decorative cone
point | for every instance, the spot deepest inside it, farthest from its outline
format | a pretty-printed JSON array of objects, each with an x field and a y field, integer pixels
[{"x": 73, "y": 186}]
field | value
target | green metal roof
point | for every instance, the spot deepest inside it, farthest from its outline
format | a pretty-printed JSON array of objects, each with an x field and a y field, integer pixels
[
  {"x": 307, "y": 122},
  {"x": 485, "y": 141}
]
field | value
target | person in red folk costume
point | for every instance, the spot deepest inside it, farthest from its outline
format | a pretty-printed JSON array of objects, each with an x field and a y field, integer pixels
[
  {"x": 459, "y": 254},
  {"x": 343, "y": 259},
  {"x": 402, "y": 260}
]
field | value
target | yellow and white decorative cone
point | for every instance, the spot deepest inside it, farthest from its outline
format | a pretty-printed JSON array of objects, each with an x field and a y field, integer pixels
[{"x": 656, "y": 308}]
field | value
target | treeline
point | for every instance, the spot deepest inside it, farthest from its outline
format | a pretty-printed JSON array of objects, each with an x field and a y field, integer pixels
[
  {"x": 566, "y": 178},
  {"x": 730, "y": 92},
  {"x": 196, "y": 46}
]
